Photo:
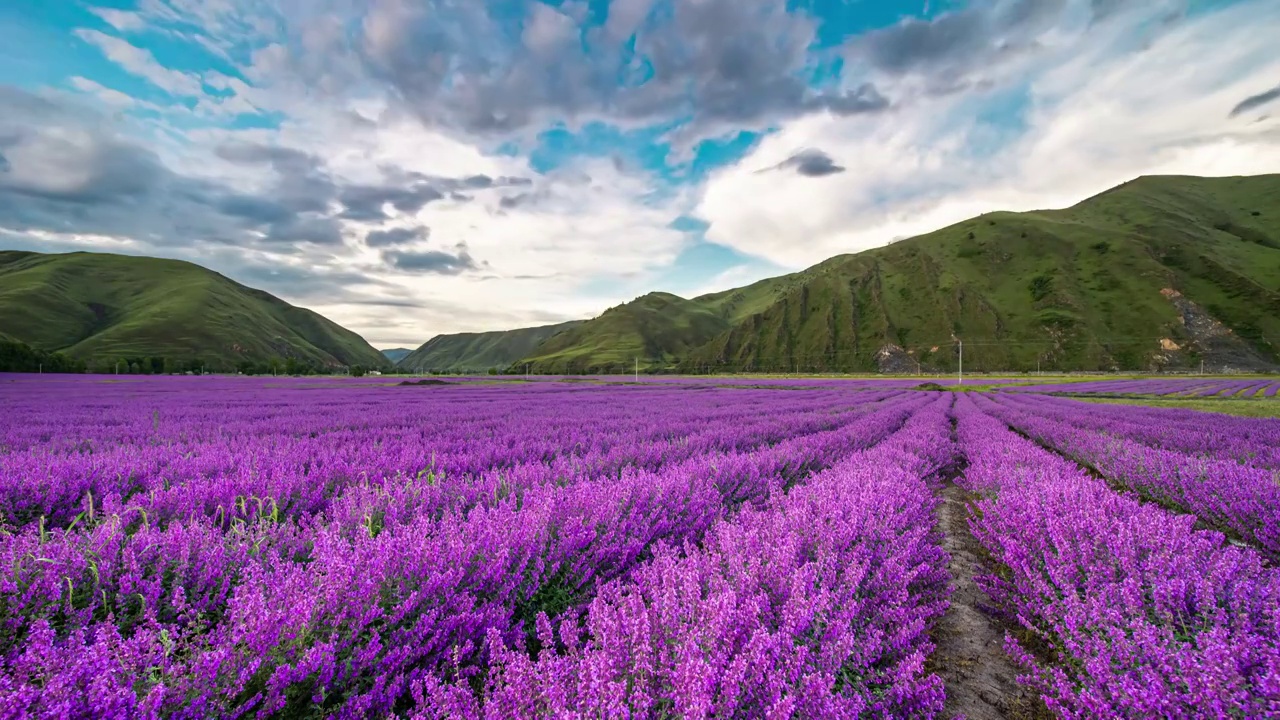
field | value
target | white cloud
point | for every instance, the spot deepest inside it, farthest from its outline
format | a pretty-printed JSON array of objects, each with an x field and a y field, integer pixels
[
  {"x": 540, "y": 256},
  {"x": 142, "y": 63},
  {"x": 50, "y": 242},
  {"x": 1098, "y": 115},
  {"x": 110, "y": 97},
  {"x": 734, "y": 277},
  {"x": 122, "y": 20}
]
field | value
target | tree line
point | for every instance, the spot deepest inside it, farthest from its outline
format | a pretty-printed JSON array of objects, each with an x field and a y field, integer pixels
[{"x": 20, "y": 357}]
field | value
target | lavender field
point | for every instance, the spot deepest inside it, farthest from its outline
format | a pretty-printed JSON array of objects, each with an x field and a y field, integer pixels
[
  {"x": 1175, "y": 387},
  {"x": 193, "y": 547}
]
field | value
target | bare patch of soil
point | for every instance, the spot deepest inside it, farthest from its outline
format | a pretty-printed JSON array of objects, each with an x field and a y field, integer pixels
[{"x": 981, "y": 680}]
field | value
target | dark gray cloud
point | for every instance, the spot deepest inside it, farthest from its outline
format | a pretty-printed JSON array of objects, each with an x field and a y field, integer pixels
[
  {"x": 810, "y": 163},
  {"x": 510, "y": 202},
  {"x": 734, "y": 64},
  {"x": 296, "y": 282},
  {"x": 961, "y": 49},
  {"x": 315, "y": 230},
  {"x": 915, "y": 43},
  {"x": 73, "y": 171},
  {"x": 949, "y": 48},
  {"x": 68, "y": 169},
  {"x": 396, "y": 236},
  {"x": 409, "y": 192},
  {"x": 723, "y": 63},
  {"x": 255, "y": 210},
  {"x": 448, "y": 184},
  {"x": 1256, "y": 101},
  {"x": 302, "y": 184},
  {"x": 87, "y": 168},
  {"x": 434, "y": 262},
  {"x": 286, "y": 161},
  {"x": 368, "y": 202}
]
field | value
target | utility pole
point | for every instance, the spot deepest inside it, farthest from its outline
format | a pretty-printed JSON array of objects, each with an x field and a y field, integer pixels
[{"x": 637, "y": 369}]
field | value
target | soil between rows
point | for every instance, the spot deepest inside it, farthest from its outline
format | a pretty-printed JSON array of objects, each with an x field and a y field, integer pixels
[{"x": 981, "y": 679}]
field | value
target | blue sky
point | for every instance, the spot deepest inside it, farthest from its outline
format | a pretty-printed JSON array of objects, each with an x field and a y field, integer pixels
[{"x": 416, "y": 167}]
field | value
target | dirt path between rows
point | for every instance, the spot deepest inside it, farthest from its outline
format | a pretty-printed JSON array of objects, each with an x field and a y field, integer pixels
[{"x": 981, "y": 680}]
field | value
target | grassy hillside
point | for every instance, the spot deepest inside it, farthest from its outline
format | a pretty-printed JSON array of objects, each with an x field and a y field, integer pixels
[
  {"x": 1162, "y": 272},
  {"x": 94, "y": 305},
  {"x": 655, "y": 329},
  {"x": 478, "y": 352},
  {"x": 742, "y": 303}
]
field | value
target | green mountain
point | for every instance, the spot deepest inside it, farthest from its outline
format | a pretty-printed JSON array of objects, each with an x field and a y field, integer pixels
[
  {"x": 656, "y": 330},
  {"x": 1159, "y": 272},
  {"x": 479, "y": 352},
  {"x": 101, "y": 306},
  {"x": 395, "y": 355}
]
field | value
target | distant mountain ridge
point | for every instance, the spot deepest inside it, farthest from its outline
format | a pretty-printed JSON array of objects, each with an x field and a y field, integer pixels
[
  {"x": 1161, "y": 272},
  {"x": 657, "y": 328},
  {"x": 395, "y": 355},
  {"x": 479, "y": 352},
  {"x": 101, "y": 306}
]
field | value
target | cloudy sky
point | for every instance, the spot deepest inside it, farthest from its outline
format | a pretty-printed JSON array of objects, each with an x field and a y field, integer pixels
[{"x": 417, "y": 167}]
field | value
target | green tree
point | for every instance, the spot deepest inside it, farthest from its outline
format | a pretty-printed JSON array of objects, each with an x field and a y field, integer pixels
[{"x": 20, "y": 357}]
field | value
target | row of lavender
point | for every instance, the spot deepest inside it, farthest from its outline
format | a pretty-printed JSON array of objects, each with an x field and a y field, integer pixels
[
  {"x": 1127, "y": 609},
  {"x": 1226, "y": 471},
  {"x": 1262, "y": 388},
  {"x": 236, "y": 549},
  {"x": 222, "y": 447},
  {"x": 817, "y": 603},
  {"x": 1247, "y": 440}
]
